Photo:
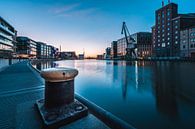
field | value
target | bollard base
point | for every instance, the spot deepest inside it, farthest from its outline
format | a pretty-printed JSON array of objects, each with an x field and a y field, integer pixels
[{"x": 56, "y": 117}]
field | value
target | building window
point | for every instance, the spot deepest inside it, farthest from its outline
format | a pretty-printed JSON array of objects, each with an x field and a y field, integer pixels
[
  {"x": 176, "y": 42},
  {"x": 159, "y": 16},
  {"x": 192, "y": 34},
  {"x": 163, "y": 15},
  {"x": 168, "y": 28},
  {"x": 176, "y": 32},
  {"x": 191, "y": 45},
  {"x": 163, "y": 21},
  {"x": 176, "y": 37},
  {"x": 163, "y": 26},
  {"x": 176, "y": 27},
  {"x": 193, "y": 29},
  {"x": 168, "y": 12},
  {"x": 192, "y": 40},
  {"x": 168, "y": 38},
  {"x": 168, "y": 34},
  {"x": 163, "y": 45},
  {"x": 168, "y": 43},
  {"x": 168, "y": 23},
  {"x": 184, "y": 46}
]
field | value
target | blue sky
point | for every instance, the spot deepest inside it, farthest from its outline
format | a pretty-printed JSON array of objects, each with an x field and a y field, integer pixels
[{"x": 78, "y": 24}]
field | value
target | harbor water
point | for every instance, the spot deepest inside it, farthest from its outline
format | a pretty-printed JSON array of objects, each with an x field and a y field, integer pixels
[{"x": 147, "y": 95}]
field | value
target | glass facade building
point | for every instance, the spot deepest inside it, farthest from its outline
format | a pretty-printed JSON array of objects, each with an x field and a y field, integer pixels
[
  {"x": 114, "y": 50},
  {"x": 122, "y": 46},
  {"x": 7, "y": 39},
  {"x": 45, "y": 51},
  {"x": 143, "y": 40},
  {"x": 41, "y": 50},
  {"x": 26, "y": 47}
]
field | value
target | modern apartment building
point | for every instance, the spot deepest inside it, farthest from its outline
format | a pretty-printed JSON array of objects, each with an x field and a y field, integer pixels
[
  {"x": 113, "y": 50},
  {"x": 107, "y": 53},
  {"x": 52, "y": 52},
  {"x": 187, "y": 42},
  {"x": 7, "y": 39},
  {"x": 45, "y": 51},
  {"x": 168, "y": 23},
  {"x": 122, "y": 46},
  {"x": 143, "y": 41},
  {"x": 68, "y": 55},
  {"x": 41, "y": 50},
  {"x": 26, "y": 47}
]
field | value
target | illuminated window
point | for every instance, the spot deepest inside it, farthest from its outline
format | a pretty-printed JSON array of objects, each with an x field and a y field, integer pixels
[{"x": 163, "y": 45}]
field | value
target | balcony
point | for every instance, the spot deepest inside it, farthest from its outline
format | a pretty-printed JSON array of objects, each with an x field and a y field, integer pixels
[
  {"x": 6, "y": 36},
  {"x": 6, "y": 42},
  {"x": 6, "y": 29}
]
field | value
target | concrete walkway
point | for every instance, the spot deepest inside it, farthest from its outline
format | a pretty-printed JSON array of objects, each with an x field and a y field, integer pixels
[
  {"x": 20, "y": 87},
  {"x": 17, "y": 77}
]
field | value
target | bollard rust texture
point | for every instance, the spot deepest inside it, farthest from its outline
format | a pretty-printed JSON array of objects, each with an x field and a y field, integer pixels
[
  {"x": 59, "y": 105},
  {"x": 59, "y": 86}
]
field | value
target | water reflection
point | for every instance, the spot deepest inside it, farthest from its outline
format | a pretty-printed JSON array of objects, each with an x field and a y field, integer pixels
[
  {"x": 165, "y": 91},
  {"x": 45, "y": 65},
  {"x": 145, "y": 94}
]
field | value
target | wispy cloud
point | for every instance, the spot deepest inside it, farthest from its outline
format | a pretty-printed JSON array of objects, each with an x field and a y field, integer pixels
[
  {"x": 78, "y": 13},
  {"x": 66, "y": 8},
  {"x": 73, "y": 10}
]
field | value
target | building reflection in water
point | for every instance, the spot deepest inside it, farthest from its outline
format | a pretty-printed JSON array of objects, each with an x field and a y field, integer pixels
[
  {"x": 145, "y": 76},
  {"x": 45, "y": 65},
  {"x": 165, "y": 88},
  {"x": 129, "y": 74}
]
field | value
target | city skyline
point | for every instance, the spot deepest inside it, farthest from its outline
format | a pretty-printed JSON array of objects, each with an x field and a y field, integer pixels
[{"x": 91, "y": 25}]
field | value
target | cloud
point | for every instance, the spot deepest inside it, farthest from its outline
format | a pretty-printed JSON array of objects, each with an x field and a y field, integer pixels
[
  {"x": 79, "y": 13},
  {"x": 73, "y": 10},
  {"x": 66, "y": 8}
]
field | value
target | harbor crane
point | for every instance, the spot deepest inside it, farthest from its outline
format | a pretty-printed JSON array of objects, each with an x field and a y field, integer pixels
[{"x": 130, "y": 50}]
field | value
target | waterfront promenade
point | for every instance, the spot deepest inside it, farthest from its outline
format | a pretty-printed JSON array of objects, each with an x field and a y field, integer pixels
[{"x": 20, "y": 87}]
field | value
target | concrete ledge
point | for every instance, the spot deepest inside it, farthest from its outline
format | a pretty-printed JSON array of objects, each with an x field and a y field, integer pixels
[
  {"x": 56, "y": 117},
  {"x": 108, "y": 118}
]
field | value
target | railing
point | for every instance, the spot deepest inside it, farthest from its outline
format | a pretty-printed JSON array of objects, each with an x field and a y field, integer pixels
[
  {"x": 7, "y": 36},
  {"x": 7, "y": 42},
  {"x": 6, "y": 29}
]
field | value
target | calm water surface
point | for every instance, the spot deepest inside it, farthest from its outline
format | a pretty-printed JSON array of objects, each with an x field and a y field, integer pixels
[{"x": 148, "y": 95}]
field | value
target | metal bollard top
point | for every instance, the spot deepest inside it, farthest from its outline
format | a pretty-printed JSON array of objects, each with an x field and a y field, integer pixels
[{"x": 59, "y": 74}]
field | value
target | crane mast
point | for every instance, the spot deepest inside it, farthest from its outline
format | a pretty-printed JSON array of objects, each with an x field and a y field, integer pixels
[{"x": 130, "y": 50}]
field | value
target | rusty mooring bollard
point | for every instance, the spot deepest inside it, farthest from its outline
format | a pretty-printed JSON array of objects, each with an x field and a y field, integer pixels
[
  {"x": 59, "y": 105},
  {"x": 59, "y": 86}
]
